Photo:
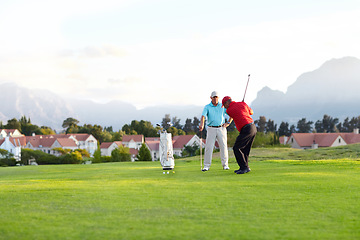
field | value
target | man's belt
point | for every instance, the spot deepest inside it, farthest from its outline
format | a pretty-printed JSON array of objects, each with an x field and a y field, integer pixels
[
  {"x": 215, "y": 126},
  {"x": 249, "y": 124}
]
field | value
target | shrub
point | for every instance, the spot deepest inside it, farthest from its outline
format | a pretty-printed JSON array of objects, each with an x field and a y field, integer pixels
[
  {"x": 5, "y": 162},
  {"x": 121, "y": 154},
  {"x": 71, "y": 158},
  {"x": 144, "y": 154}
]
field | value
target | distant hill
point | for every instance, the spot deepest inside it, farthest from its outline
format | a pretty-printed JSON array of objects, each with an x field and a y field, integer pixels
[
  {"x": 48, "y": 109},
  {"x": 43, "y": 107},
  {"x": 332, "y": 89}
]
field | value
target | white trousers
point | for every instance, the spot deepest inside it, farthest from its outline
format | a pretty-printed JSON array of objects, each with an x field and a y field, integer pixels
[{"x": 213, "y": 134}]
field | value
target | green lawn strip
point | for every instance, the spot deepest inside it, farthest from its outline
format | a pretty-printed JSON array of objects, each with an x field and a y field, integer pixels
[{"x": 278, "y": 199}]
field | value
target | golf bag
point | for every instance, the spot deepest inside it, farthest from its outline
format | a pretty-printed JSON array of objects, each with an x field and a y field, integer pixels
[{"x": 166, "y": 151}]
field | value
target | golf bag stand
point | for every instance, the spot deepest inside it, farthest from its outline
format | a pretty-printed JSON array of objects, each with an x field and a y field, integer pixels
[{"x": 166, "y": 151}]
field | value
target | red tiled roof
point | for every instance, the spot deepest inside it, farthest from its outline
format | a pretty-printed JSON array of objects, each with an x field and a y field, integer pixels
[
  {"x": 108, "y": 144},
  {"x": 21, "y": 139},
  {"x": 324, "y": 139},
  {"x": 80, "y": 136},
  {"x": 181, "y": 141},
  {"x": 66, "y": 142},
  {"x": 44, "y": 142},
  {"x": 135, "y": 138},
  {"x": 105, "y": 145},
  {"x": 351, "y": 138},
  {"x": 133, "y": 151}
]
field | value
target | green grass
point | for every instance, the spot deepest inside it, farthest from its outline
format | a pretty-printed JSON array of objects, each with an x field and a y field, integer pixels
[
  {"x": 278, "y": 199},
  {"x": 343, "y": 152}
]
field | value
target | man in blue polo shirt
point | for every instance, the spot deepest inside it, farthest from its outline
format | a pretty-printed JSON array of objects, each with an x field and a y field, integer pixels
[{"x": 215, "y": 115}]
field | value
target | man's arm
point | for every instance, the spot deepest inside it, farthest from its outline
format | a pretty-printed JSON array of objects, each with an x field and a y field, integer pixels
[
  {"x": 202, "y": 122},
  {"x": 228, "y": 122}
]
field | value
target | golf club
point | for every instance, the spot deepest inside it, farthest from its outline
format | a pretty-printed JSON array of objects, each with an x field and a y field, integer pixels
[
  {"x": 201, "y": 150},
  {"x": 246, "y": 87}
]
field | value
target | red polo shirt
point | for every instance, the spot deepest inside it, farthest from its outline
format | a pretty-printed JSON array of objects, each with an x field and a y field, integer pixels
[{"x": 240, "y": 112}]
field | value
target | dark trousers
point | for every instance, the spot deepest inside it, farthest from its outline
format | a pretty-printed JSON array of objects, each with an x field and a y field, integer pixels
[{"x": 243, "y": 145}]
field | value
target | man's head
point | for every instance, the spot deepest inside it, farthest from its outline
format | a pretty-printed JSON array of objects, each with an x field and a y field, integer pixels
[
  {"x": 214, "y": 98},
  {"x": 226, "y": 101}
]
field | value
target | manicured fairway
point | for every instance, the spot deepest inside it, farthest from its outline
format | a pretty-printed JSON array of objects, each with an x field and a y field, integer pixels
[{"x": 280, "y": 199}]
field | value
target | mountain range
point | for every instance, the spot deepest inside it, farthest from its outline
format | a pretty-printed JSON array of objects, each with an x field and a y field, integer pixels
[
  {"x": 332, "y": 89},
  {"x": 45, "y": 108}
]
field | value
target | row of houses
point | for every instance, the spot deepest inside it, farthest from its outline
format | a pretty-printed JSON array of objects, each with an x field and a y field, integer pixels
[
  {"x": 316, "y": 140},
  {"x": 134, "y": 142},
  {"x": 13, "y": 141}
]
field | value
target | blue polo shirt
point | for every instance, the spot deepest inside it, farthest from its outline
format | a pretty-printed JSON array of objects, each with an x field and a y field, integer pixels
[{"x": 215, "y": 115}]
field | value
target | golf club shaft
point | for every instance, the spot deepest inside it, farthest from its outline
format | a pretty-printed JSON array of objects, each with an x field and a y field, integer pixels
[
  {"x": 201, "y": 150},
  {"x": 246, "y": 87}
]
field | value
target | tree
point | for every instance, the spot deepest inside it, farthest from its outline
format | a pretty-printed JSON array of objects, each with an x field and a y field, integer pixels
[
  {"x": 13, "y": 124},
  {"x": 165, "y": 123},
  {"x": 143, "y": 127},
  {"x": 188, "y": 128},
  {"x": 196, "y": 124},
  {"x": 292, "y": 129},
  {"x": 176, "y": 123},
  {"x": 190, "y": 150},
  {"x": 261, "y": 124},
  {"x": 303, "y": 126},
  {"x": 121, "y": 154},
  {"x": 328, "y": 124},
  {"x": 70, "y": 122},
  {"x": 97, "y": 155},
  {"x": 270, "y": 126},
  {"x": 144, "y": 153},
  {"x": 46, "y": 131},
  {"x": 117, "y": 136},
  {"x": 284, "y": 129},
  {"x": 175, "y": 132}
]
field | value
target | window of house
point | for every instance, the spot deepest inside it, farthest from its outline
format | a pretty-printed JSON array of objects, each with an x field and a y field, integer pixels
[
  {"x": 292, "y": 140},
  {"x": 339, "y": 140}
]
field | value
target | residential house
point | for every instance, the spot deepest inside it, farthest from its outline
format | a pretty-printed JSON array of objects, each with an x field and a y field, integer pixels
[
  {"x": 179, "y": 143},
  {"x": 10, "y": 133},
  {"x": 152, "y": 144},
  {"x": 315, "y": 140},
  {"x": 107, "y": 147},
  {"x": 46, "y": 143},
  {"x": 85, "y": 141},
  {"x": 133, "y": 141},
  {"x": 12, "y": 145}
]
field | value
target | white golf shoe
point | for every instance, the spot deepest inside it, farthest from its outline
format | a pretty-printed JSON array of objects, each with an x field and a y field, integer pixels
[
  {"x": 226, "y": 168},
  {"x": 205, "y": 169}
]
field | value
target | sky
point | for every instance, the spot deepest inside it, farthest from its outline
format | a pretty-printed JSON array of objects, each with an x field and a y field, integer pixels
[{"x": 173, "y": 52}]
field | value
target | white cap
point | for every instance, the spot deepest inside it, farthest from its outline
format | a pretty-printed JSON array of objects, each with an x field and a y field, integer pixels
[{"x": 214, "y": 94}]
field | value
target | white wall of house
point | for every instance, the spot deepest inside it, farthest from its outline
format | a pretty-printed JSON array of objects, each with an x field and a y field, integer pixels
[
  {"x": 132, "y": 144},
  {"x": 293, "y": 143},
  {"x": 11, "y": 148},
  {"x": 90, "y": 144},
  {"x": 56, "y": 144},
  {"x": 16, "y": 133},
  {"x": 107, "y": 151},
  {"x": 339, "y": 141},
  {"x": 194, "y": 141}
]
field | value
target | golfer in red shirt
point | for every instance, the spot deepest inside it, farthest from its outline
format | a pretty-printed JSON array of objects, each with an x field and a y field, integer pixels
[{"x": 240, "y": 112}]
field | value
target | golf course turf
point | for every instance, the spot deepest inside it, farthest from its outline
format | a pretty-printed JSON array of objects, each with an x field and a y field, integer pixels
[{"x": 278, "y": 199}]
